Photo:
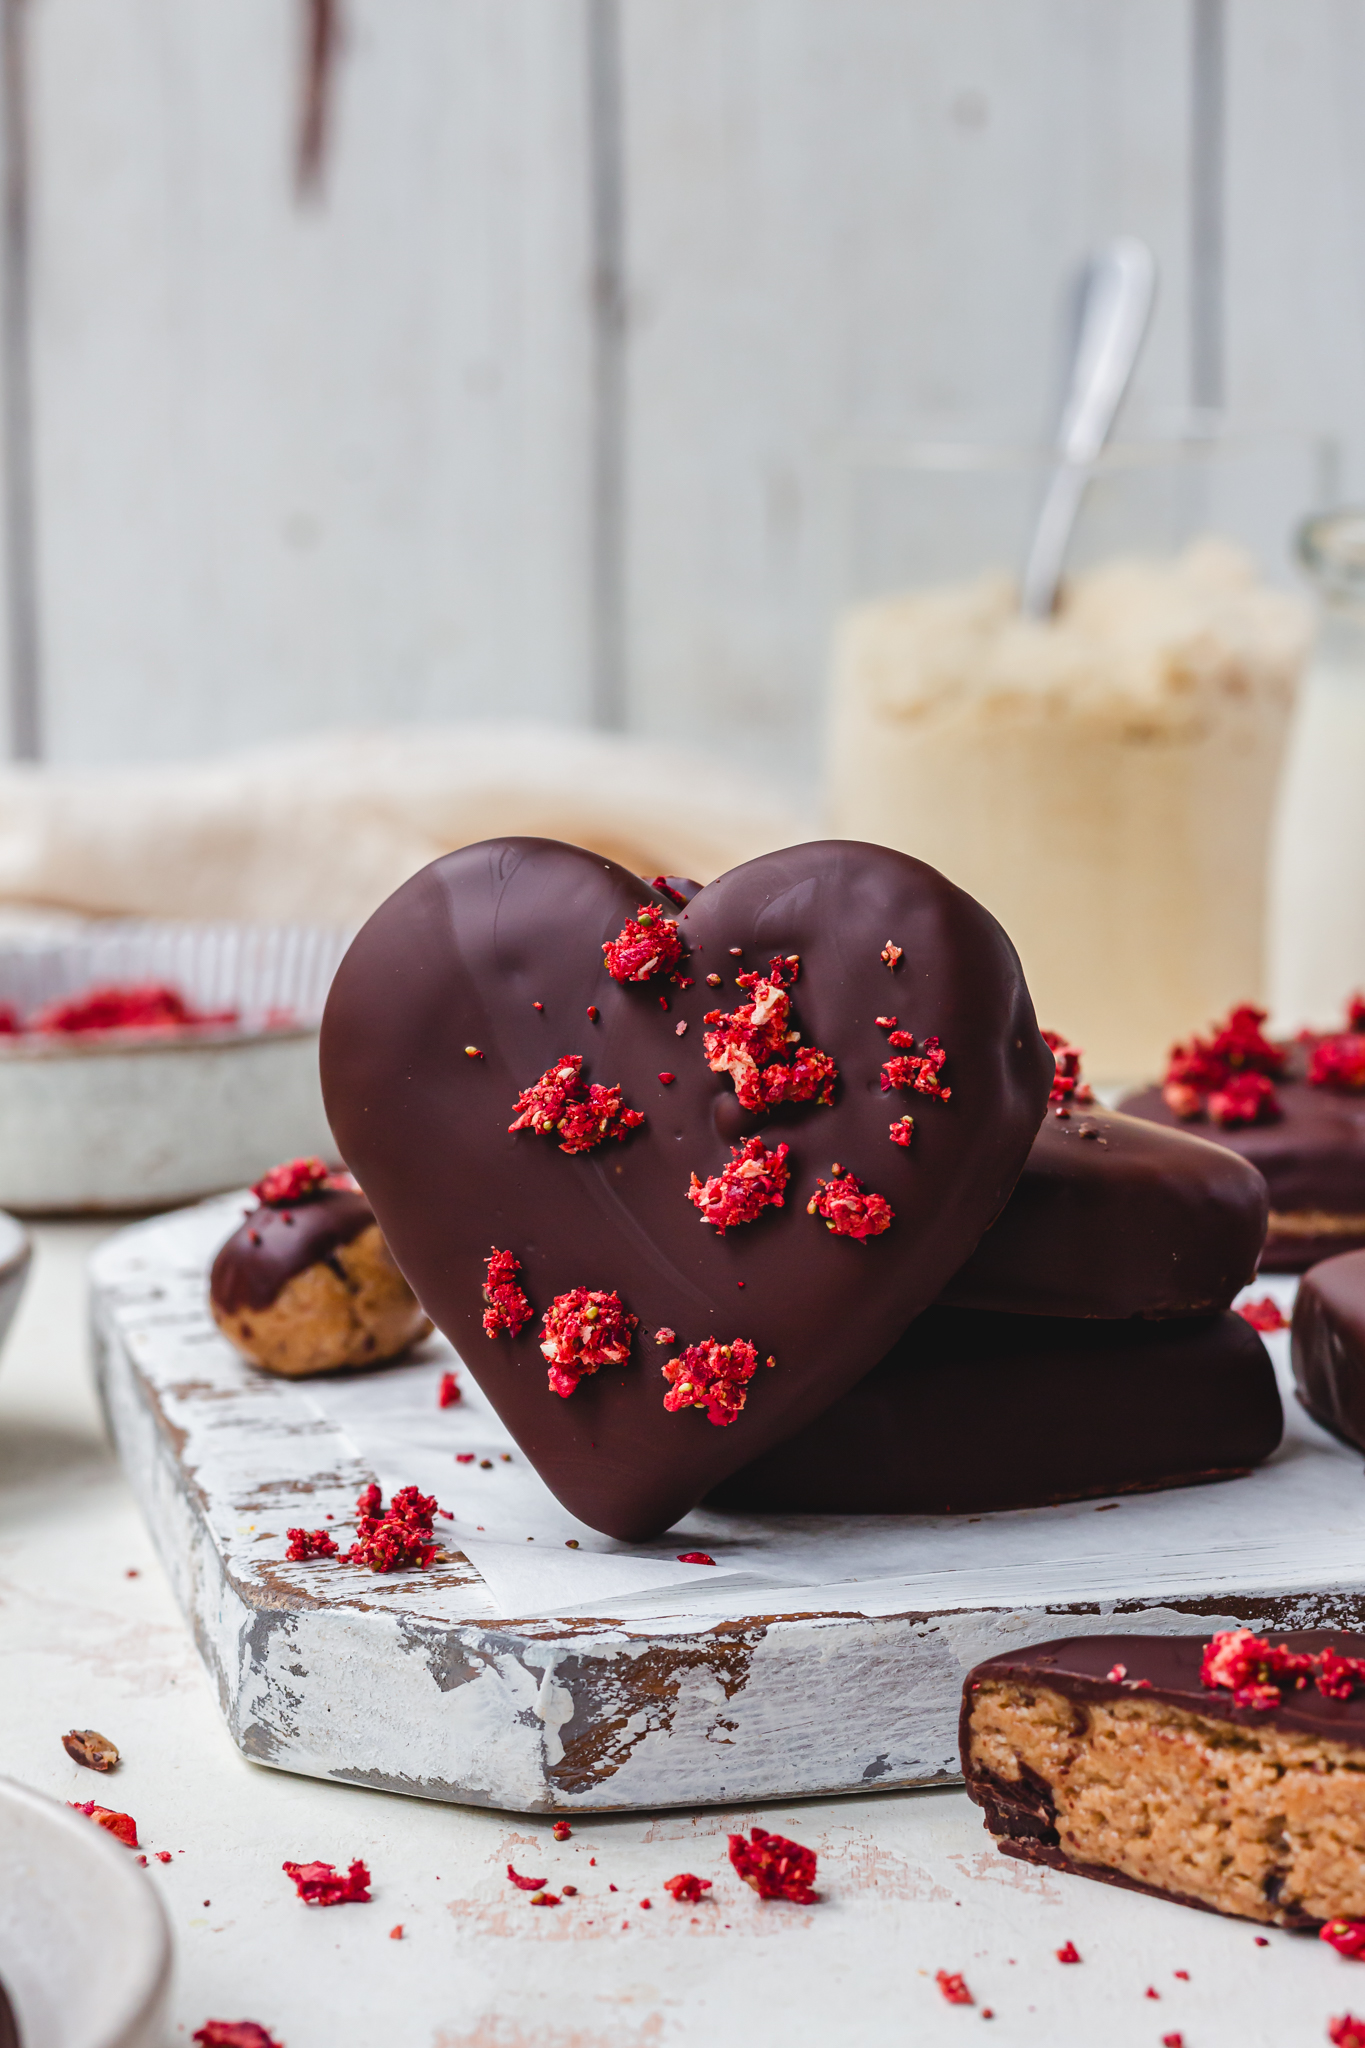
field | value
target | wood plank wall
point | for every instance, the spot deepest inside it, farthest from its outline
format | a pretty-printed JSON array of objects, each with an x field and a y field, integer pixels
[{"x": 518, "y": 416}]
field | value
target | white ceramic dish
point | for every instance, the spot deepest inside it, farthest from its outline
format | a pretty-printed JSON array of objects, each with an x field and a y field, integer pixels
[
  {"x": 85, "y": 1953},
  {"x": 132, "y": 1120}
]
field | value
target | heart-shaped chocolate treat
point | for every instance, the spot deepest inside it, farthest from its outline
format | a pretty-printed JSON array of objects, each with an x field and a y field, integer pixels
[{"x": 674, "y": 1173}]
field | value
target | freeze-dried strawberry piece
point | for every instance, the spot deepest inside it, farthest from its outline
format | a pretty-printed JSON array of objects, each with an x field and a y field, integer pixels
[
  {"x": 448, "y": 1393},
  {"x": 1338, "y": 1062},
  {"x": 319, "y": 1884},
  {"x": 298, "y": 1180},
  {"x": 1068, "y": 1953},
  {"x": 561, "y": 1105},
  {"x": 561, "y": 1831},
  {"x": 1346, "y": 2031},
  {"x": 397, "y": 1537},
  {"x": 1347, "y": 1937},
  {"x": 1264, "y": 1315},
  {"x": 953, "y": 1985},
  {"x": 525, "y": 1884},
  {"x": 152, "y": 1006},
  {"x": 892, "y": 954},
  {"x": 1197, "y": 1070},
  {"x": 1067, "y": 1086},
  {"x": 1250, "y": 1668},
  {"x": 849, "y": 1209},
  {"x": 121, "y": 1825},
  {"x": 686, "y": 1888},
  {"x": 234, "y": 2034},
  {"x": 919, "y": 1071},
  {"x": 1337, "y": 1676},
  {"x": 713, "y": 1376},
  {"x": 309, "y": 1543},
  {"x": 647, "y": 944},
  {"x": 1245, "y": 1099},
  {"x": 756, "y": 1046},
  {"x": 508, "y": 1307},
  {"x": 775, "y": 1867},
  {"x": 903, "y": 1130},
  {"x": 581, "y": 1331},
  {"x": 753, "y": 1181}
]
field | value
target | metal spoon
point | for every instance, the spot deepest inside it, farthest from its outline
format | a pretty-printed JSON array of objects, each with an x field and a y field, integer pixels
[{"x": 1114, "y": 305}]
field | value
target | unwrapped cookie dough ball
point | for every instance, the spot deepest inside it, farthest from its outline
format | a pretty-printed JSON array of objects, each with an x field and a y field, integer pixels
[{"x": 307, "y": 1283}]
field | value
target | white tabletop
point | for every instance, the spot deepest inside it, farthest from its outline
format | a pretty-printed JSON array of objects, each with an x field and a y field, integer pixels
[{"x": 910, "y": 1882}]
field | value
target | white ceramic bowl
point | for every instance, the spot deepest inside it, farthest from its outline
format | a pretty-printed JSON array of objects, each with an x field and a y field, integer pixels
[
  {"x": 136, "y": 1120},
  {"x": 85, "y": 1953}
]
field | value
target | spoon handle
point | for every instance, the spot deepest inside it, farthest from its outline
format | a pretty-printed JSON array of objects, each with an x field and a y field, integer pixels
[{"x": 1117, "y": 291}]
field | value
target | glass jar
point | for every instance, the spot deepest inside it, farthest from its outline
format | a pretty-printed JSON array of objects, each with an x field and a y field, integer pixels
[{"x": 1317, "y": 876}]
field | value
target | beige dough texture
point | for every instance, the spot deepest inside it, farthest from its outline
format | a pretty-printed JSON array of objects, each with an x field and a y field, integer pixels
[{"x": 320, "y": 1321}]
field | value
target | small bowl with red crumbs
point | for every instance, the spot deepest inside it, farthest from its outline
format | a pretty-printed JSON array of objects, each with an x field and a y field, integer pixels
[
  {"x": 143, "y": 1064},
  {"x": 60, "y": 1871}
]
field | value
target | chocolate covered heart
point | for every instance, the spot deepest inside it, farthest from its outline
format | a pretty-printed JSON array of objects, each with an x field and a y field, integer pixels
[{"x": 673, "y": 1174}]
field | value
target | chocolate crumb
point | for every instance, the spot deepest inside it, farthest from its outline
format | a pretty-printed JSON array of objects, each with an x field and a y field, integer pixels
[{"x": 88, "y": 1747}]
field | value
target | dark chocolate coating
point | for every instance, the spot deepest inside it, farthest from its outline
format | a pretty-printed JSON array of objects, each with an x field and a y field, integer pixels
[
  {"x": 460, "y": 955},
  {"x": 251, "y": 1276},
  {"x": 1327, "y": 1343},
  {"x": 1113, "y": 1216},
  {"x": 1312, "y": 1159},
  {"x": 1021, "y": 1815},
  {"x": 972, "y": 1412}
]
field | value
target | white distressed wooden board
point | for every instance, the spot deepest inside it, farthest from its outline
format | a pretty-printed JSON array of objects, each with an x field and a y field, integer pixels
[{"x": 820, "y": 1655}]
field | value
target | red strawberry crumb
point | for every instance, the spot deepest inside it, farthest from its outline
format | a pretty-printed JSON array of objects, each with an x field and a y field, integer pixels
[
  {"x": 143, "y": 1861},
  {"x": 1252, "y": 1668},
  {"x": 647, "y": 944},
  {"x": 464, "y": 1457},
  {"x": 537, "y": 1006},
  {"x": 953, "y": 1985},
  {"x": 668, "y": 1079},
  {"x": 1069, "y": 1954},
  {"x": 680, "y": 1027},
  {"x": 918, "y": 1071},
  {"x": 298, "y": 1180},
  {"x": 1346, "y": 2032},
  {"x": 508, "y": 1307},
  {"x": 397, "y": 1537},
  {"x": 592, "y": 1013},
  {"x": 758, "y": 1048},
  {"x": 1262, "y": 1940},
  {"x": 309, "y": 1543},
  {"x": 753, "y": 1180},
  {"x": 1173, "y": 2041},
  {"x": 163, "y": 1855},
  {"x": 647, "y": 1904},
  {"x": 561, "y": 1105},
  {"x": 544, "y": 1898},
  {"x": 1150, "y": 1992},
  {"x": 848, "y": 1209},
  {"x": 663, "y": 1335},
  {"x": 892, "y": 954},
  {"x": 694, "y": 1557},
  {"x": 450, "y": 1386},
  {"x": 1338, "y": 1063},
  {"x": 885, "y": 1023},
  {"x": 151, "y": 1007},
  {"x": 561, "y": 1831},
  {"x": 318, "y": 1884},
  {"x": 581, "y": 1331},
  {"x": 686, "y": 1889},
  {"x": 663, "y": 887},
  {"x": 610, "y": 1887},
  {"x": 1195, "y": 1072},
  {"x": 1347, "y": 1937},
  {"x": 713, "y": 1376},
  {"x": 713, "y": 981},
  {"x": 903, "y": 1130},
  {"x": 775, "y": 1867},
  {"x": 1067, "y": 1086},
  {"x": 1245, "y": 1099},
  {"x": 1263, "y": 1315},
  {"x": 396, "y": 1933},
  {"x": 1116, "y": 1673},
  {"x": 234, "y": 2034},
  {"x": 570, "y": 1891},
  {"x": 121, "y": 1825},
  {"x": 525, "y": 1884},
  {"x": 1183, "y": 1975},
  {"x": 472, "y": 1052}
]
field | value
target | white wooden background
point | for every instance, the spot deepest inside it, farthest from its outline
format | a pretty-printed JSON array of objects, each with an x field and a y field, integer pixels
[{"x": 534, "y": 410}]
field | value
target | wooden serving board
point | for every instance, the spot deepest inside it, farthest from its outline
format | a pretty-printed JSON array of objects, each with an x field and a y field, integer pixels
[{"x": 540, "y": 1667}]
